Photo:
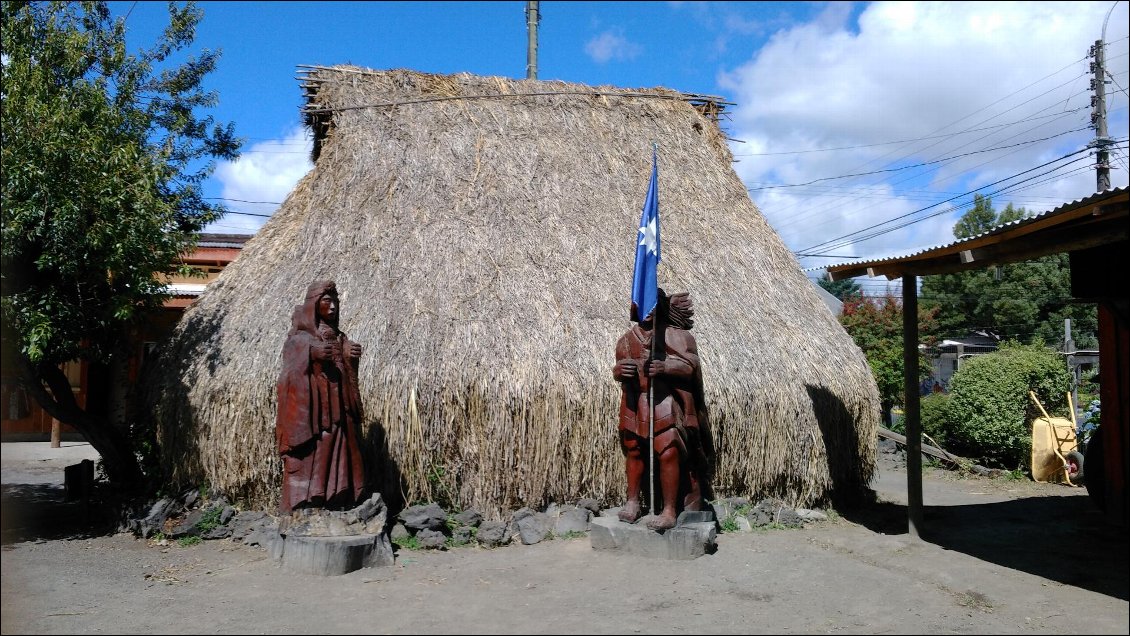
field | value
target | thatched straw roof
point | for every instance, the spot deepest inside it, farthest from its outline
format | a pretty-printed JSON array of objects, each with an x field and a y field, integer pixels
[{"x": 482, "y": 235}]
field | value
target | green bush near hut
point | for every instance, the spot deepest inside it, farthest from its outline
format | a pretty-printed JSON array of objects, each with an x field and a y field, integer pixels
[
  {"x": 989, "y": 409},
  {"x": 935, "y": 416}
]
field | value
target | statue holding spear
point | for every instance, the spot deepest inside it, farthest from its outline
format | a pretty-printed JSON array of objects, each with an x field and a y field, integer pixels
[{"x": 662, "y": 413}]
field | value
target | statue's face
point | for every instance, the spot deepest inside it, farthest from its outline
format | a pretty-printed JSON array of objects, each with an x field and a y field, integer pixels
[{"x": 327, "y": 308}]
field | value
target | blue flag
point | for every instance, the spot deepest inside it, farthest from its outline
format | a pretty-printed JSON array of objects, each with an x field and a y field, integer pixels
[{"x": 645, "y": 286}]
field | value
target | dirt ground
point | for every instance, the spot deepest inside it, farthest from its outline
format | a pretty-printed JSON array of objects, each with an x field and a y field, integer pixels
[{"x": 999, "y": 556}]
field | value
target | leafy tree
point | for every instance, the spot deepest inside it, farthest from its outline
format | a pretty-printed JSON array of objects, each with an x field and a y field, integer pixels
[
  {"x": 842, "y": 289},
  {"x": 977, "y": 220},
  {"x": 1027, "y": 301},
  {"x": 103, "y": 157},
  {"x": 875, "y": 324}
]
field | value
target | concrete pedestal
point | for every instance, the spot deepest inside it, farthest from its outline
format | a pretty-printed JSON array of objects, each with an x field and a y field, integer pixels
[
  {"x": 689, "y": 539},
  {"x": 331, "y": 556}
]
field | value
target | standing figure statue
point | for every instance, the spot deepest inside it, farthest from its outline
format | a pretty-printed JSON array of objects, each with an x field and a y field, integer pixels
[
  {"x": 680, "y": 436},
  {"x": 319, "y": 409}
]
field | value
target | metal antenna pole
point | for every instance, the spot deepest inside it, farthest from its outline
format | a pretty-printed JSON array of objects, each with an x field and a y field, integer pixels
[{"x": 532, "y": 19}]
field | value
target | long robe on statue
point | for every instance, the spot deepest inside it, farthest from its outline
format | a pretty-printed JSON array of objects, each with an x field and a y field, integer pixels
[{"x": 319, "y": 413}]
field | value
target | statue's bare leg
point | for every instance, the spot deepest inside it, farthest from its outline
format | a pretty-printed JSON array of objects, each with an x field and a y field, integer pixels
[
  {"x": 669, "y": 481},
  {"x": 634, "y": 469}
]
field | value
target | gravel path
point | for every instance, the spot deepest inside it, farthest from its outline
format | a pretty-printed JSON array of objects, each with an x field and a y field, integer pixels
[{"x": 1001, "y": 556}]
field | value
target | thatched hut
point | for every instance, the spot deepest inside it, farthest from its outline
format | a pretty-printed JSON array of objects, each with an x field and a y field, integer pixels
[{"x": 482, "y": 234}]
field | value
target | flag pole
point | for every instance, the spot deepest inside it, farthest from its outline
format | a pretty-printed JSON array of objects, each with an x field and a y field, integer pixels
[{"x": 651, "y": 381}]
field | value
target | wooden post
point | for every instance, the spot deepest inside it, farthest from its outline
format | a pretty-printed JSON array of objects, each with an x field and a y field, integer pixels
[
  {"x": 56, "y": 433},
  {"x": 911, "y": 404}
]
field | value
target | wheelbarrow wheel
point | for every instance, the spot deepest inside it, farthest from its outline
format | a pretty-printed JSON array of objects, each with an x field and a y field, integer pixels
[{"x": 1074, "y": 461}]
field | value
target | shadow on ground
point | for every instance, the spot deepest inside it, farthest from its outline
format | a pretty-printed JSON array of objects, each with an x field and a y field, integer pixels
[
  {"x": 1063, "y": 539},
  {"x": 38, "y": 511}
]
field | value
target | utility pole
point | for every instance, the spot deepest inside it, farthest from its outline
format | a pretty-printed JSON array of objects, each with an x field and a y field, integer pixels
[
  {"x": 1098, "y": 116},
  {"x": 1072, "y": 364},
  {"x": 533, "y": 17}
]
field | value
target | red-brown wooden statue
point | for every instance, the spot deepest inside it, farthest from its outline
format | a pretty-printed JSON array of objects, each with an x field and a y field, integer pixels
[
  {"x": 680, "y": 431},
  {"x": 319, "y": 409}
]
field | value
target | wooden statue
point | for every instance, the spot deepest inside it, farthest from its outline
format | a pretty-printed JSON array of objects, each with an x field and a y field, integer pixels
[
  {"x": 319, "y": 408},
  {"x": 679, "y": 432}
]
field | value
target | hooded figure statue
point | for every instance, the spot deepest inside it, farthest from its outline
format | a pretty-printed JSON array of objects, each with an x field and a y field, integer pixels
[{"x": 319, "y": 408}]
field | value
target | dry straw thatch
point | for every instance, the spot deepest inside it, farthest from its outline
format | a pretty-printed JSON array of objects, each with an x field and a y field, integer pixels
[{"x": 482, "y": 235}]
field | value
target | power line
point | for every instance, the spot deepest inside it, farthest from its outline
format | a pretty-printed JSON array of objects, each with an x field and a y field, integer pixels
[
  {"x": 928, "y": 207},
  {"x": 241, "y": 200},
  {"x": 877, "y": 225},
  {"x": 1117, "y": 84},
  {"x": 905, "y": 141},
  {"x": 959, "y": 208},
  {"x": 1058, "y": 116},
  {"x": 919, "y": 165},
  {"x": 797, "y": 219}
]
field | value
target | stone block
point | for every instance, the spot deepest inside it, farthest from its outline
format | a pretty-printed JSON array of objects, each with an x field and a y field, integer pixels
[
  {"x": 429, "y": 516},
  {"x": 591, "y": 504},
  {"x": 533, "y": 528},
  {"x": 695, "y": 516},
  {"x": 470, "y": 518},
  {"x": 684, "y": 542},
  {"x": 332, "y": 556},
  {"x": 493, "y": 533},
  {"x": 574, "y": 520}
]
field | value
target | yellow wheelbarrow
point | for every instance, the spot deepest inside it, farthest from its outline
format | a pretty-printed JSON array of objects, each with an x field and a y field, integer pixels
[{"x": 1055, "y": 451}]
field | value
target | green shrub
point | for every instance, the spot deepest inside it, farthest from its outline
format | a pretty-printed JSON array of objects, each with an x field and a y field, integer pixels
[
  {"x": 934, "y": 414},
  {"x": 989, "y": 409},
  {"x": 934, "y": 409},
  {"x": 898, "y": 424}
]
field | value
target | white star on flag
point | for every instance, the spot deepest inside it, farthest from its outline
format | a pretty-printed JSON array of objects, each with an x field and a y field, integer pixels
[{"x": 647, "y": 236}]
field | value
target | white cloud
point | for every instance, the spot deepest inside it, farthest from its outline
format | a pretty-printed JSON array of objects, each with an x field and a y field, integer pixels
[
  {"x": 908, "y": 71},
  {"x": 261, "y": 179},
  {"x": 611, "y": 45}
]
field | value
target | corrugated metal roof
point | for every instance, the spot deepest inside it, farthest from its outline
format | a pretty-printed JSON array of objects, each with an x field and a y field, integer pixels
[
  {"x": 185, "y": 289},
  {"x": 234, "y": 241},
  {"x": 996, "y": 230}
]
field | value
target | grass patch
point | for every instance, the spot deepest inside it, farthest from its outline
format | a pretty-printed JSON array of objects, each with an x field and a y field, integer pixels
[
  {"x": 730, "y": 524},
  {"x": 408, "y": 543},
  {"x": 190, "y": 540},
  {"x": 773, "y": 525},
  {"x": 210, "y": 520}
]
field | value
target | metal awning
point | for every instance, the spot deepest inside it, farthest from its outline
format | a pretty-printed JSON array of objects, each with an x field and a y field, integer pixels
[{"x": 1089, "y": 222}]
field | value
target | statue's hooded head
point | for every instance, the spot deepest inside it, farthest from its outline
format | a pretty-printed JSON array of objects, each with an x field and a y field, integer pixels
[{"x": 313, "y": 311}]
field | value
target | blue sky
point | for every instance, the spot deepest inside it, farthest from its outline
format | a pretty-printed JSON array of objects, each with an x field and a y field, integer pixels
[{"x": 977, "y": 92}]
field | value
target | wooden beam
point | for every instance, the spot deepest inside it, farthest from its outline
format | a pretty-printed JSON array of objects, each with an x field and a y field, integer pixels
[
  {"x": 911, "y": 405},
  {"x": 932, "y": 451}
]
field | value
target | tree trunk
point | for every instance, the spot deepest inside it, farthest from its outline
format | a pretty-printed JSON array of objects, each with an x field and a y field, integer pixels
[{"x": 49, "y": 386}]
